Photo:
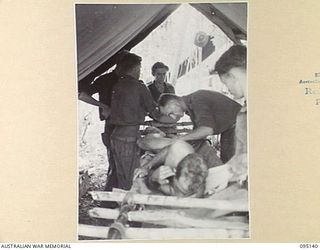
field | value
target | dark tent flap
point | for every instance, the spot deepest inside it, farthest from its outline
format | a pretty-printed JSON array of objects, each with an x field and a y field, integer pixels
[
  {"x": 103, "y": 30},
  {"x": 234, "y": 14}
]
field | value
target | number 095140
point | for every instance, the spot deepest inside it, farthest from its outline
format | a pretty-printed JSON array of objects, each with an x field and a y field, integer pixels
[{"x": 308, "y": 245}]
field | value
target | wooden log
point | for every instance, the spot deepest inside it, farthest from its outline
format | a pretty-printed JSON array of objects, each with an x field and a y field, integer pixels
[
  {"x": 119, "y": 190},
  {"x": 159, "y": 125},
  {"x": 178, "y": 131},
  {"x": 104, "y": 213},
  {"x": 195, "y": 213},
  {"x": 164, "y": 233},
  {"x": 230, "y": 193},
  {"x": 159, "y": 200},
  {"x": 235, "y": 218},
  {"x": 184, "y": 233},
  {"x": 171, "y": 218},
  {"x": 182, "y": 220},
  {"x": 93, "y": 231},
  {"x": 219, "y": 213}
]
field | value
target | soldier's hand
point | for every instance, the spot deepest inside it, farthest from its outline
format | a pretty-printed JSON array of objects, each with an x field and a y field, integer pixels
[
  {"x": 140, "y": 173},
  {"x": 239, "y": 167},
  {"x": 162, "y": 174}
]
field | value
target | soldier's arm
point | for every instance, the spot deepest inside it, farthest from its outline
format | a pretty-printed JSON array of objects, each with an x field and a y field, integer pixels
[
  {"x": 151, "y": 107},
  {"x": 197, "y": 134},
  {"x": 85, "y": 97}
]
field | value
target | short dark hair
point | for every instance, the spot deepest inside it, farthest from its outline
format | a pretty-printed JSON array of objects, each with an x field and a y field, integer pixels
[
  {"x": 196, "y": 170},
  {"x": 165, "y": 98},
  {"x": 235, "y": 56},
  {"x": 120, "y": 55},
  {"x": 129, "y": 60},
  {"x": 158, "y": 65}
]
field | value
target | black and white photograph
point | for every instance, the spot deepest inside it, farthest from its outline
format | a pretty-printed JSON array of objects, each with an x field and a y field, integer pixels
[{"x": 162, "y": 121}]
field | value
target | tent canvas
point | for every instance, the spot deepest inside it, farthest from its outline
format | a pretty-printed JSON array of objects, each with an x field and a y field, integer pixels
[{"x": 105, "y": 29}]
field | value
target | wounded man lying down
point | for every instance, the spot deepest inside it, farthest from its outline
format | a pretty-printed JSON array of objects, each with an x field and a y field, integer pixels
[{"x": 177, "y": 170}]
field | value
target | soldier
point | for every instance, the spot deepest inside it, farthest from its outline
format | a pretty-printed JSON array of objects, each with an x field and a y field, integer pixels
[
  {"x": 232, "y": 70},
  {"x": 131, "y": 102},
  {"x": 211, "y": 113},
  {"x": 103, "y": 86},
  {"x": 159, "y": 85}
]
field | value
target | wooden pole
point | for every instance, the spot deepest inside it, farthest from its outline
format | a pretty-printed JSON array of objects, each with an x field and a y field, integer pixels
[
  {"x": 159, "y": 200},
  {"x": 104, "y": 213},
  {"x": 164, "y": 233},
  {"x": 151, "y": 123},
  {"x": 93, "y": 231},
  {"x": 167, "y": 217}
]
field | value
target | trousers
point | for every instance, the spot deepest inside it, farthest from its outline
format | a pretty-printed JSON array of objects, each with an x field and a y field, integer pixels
[
  {"x": 112, "y": 179},
  {"x": 126, "y": 155}
]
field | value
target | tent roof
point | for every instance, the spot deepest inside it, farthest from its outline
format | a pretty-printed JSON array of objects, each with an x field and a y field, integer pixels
[{"x": 105, "y": 29}]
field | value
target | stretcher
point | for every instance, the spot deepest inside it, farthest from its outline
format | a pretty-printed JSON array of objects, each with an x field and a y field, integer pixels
[{"x": 145, "y": 215}]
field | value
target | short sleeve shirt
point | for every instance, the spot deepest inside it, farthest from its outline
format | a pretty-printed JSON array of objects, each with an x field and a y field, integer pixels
[
  {"x": 131, "y": 102},
  {"x": 168, "y": 88},
  {"x": 212, "y": 109},
  {"x": 103, "y": 86}
]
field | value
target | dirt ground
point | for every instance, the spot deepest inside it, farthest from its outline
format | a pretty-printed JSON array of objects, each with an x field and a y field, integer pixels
[{"x": 92, "y": 158}]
